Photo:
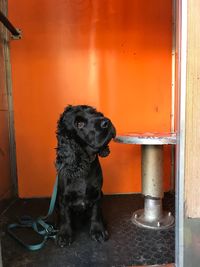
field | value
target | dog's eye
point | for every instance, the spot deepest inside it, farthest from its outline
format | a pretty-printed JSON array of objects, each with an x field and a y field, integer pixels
[{"x": 80, "y": 124}]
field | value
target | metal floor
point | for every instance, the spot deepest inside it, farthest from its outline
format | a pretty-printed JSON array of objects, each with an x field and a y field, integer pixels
[{"x": 128, "y": 245}]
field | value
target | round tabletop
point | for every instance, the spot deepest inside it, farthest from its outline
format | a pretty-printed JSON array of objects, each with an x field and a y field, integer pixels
[{"x": 147, "y": 138}]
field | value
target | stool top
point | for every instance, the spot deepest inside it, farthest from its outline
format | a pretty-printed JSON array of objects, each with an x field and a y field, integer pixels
[{"x": 147, "y": 138}]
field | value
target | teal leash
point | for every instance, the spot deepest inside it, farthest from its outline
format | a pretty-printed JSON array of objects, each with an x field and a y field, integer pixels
[{"x": 40, "y": 226}]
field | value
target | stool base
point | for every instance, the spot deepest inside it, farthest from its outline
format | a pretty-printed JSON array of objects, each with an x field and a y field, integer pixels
[{"x": 166, "y": 220}]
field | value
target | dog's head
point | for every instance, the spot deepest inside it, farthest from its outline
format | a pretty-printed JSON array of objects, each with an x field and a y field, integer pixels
[{"x": 90, "y": 128}]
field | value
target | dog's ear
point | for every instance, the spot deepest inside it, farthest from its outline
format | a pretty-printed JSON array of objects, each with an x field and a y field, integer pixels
[
  {"x": 104, "y": 152},
  {"x": 65, "y": 152},
  {"x": 64, "y": 124}
]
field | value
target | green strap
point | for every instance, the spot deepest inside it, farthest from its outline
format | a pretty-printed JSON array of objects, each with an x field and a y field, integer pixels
[{"x": 40, "y": 226}]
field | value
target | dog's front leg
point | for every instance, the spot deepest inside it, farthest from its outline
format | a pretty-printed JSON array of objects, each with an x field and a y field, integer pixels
[
  {"x": 64, "y": 236},
  {"x": 97, "y": 228}
]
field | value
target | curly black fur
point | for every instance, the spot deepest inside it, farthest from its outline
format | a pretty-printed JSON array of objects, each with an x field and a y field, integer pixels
[{"x": 82, "y": 134}]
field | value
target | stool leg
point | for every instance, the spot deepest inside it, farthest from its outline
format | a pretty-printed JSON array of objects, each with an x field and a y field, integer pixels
[
  {"x": 152, "y": 170},
  {"x": 152, "y": 216}
]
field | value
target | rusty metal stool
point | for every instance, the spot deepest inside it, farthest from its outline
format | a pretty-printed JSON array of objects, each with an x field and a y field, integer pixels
[{"x": 152, "y": 216}]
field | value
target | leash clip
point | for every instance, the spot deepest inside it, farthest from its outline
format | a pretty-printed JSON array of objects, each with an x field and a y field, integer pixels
[{"x": 49, "y": 230}]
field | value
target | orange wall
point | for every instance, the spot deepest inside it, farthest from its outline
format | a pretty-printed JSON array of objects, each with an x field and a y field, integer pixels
[{"x": 112, "y": 54}]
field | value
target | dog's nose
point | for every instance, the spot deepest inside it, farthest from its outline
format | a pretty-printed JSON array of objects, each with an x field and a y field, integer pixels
[{"x": 105, "y": 123}]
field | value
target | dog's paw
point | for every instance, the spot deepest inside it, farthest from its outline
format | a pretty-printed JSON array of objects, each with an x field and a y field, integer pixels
[
  {"x": 63, "y": 240},
  {"x": 99, "y": 235}
]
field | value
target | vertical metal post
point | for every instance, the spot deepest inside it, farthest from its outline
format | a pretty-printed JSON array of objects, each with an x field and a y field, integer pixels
[{"x": 180, "y": 156}]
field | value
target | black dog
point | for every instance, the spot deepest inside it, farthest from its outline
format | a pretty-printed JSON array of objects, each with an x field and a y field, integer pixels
[{"x": 83, "y": 134}]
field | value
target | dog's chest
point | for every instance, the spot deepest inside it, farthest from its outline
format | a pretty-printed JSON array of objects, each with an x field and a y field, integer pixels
[
  {"x": 77, "y": 185},
  {"x": 81, "y": 194}
]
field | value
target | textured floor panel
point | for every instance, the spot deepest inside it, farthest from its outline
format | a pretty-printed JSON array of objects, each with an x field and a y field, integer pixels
[{"x": 128, "y": 244}]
